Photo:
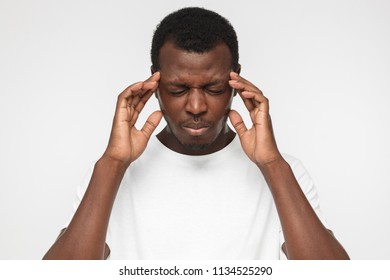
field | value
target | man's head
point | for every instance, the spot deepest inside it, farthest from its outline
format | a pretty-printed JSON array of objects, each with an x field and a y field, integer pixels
[
  {"x": 194, "y": 30},
  {"x": 195, "y": 50}
]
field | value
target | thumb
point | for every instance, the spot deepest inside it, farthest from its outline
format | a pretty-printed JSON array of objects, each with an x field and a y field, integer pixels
[
  {"x": 151, "y": 123},
  {"x": 237, "y": 122}
]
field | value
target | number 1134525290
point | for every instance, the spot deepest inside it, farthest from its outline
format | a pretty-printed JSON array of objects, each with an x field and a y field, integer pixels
[{"x": 242, "y": 270}]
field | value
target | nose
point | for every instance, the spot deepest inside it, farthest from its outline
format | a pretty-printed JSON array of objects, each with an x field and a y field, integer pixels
[{"x": 196, "y": 102}]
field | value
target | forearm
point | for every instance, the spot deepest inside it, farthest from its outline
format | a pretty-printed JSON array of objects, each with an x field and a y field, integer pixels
[
  {"x": 85, "y": 236},
  {"x": 305, "y": 235}
]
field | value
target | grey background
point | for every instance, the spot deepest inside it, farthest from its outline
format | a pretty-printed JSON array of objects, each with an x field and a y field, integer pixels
[{"x": 324, "y": 65}]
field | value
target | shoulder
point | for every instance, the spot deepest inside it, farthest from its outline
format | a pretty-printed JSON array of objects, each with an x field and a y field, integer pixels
[
  {"x": 302, "y": 175},
  {"x": 292, "y": 160},
  {"x": 296, "y": 165}
]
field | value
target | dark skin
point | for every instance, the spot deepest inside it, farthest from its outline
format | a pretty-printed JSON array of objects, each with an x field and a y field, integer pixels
[
  {"x": 195, "y": 100},
  {"x": 195, "y": 92}
]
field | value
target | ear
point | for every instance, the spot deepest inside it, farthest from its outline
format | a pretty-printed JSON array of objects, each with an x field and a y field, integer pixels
[
  {"x": 152, "y": 70},
  {"x": 238, "y": 69},
  {"x": 157, "y": 94}
]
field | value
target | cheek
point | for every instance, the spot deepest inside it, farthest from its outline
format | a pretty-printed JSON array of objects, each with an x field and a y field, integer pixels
[
  {"x": 161, "y": 100},
  {"x": 169, "y": 106},
  {"x": 221, "y": 106}
]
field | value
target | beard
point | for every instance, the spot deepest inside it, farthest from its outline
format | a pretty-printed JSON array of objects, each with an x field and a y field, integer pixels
[
  {"x": 197, "y": 144},
  {"x": 194, "y": 146}
]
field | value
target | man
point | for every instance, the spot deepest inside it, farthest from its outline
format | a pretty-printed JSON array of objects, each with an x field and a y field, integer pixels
[{"x": 197, "y": 190}]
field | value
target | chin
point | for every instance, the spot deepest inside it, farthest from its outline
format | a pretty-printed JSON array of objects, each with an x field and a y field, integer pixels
[
  {"x": 196, "y": 143},
  {"x": 196, "y": 147}
]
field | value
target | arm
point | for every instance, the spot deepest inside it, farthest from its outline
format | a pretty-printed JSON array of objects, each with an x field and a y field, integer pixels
[
  {"x": 85, "y": 236},
  {"x": 305, "y": 235}
]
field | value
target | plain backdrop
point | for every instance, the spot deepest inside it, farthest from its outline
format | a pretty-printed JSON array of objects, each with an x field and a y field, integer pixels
[{"x": 324, "y": 65}]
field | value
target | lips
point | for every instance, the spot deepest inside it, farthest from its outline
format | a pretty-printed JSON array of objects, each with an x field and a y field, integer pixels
[
  {"x": 195, "y": 125},
  {"x": 196, "y": 128}
]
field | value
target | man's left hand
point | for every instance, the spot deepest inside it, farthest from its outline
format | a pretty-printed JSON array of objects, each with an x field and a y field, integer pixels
[{"x": 258, "y": 142}]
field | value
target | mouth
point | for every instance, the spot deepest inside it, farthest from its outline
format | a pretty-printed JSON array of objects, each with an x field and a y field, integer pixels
[{"x": 196, "y": 129}]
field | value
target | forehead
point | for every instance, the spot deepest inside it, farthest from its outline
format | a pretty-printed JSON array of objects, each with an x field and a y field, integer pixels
[{"x": 178, "y": 65}]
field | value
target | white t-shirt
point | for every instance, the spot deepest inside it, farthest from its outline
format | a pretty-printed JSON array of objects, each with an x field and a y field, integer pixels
[{"x": 216, "y": 206}]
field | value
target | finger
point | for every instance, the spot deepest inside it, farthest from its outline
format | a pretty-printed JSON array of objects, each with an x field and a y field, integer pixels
[
  {"x": 135, "y": 110},
  {"x": 130, "y": 90},
  {"x": 252, "y": 99},
  {"x": 149, "y": 84},
  {"x": 237, "y": 77},
  {"x": 147, "y": 87},
  {"x": 126, "y": 95},
  {"x": 138, "y": 88},
  {"x": 247, "y": 102},
  {"x": 137, "y": 102},
  {"x": 238, "y": 123},
  {"x": 151, "y": 123},
  {"x": 260, "y": 101},
  {"x": 240, "y": 83},
  {"x": 144, "y": 100},
  {"x": 155, "y": 77},
  {"x": 134, "y": 97},
  {"x": 242, "y": 87},
  {"x": 133, "y": 116}
]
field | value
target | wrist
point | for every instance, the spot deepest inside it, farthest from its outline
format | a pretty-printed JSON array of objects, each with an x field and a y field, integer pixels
[
  {"x": 278, "y": 174},
  {"x": 107, "y": 160},
  {"x": 272, "y": 159},
  {"x": 272, "y": 165}
]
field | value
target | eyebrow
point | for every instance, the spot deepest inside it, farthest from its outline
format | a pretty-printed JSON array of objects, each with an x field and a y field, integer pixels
[{"x": 212, "y": 83}]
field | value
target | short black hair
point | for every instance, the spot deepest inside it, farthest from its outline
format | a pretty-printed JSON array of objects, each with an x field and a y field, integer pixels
[{"x": 195, "y": 30}]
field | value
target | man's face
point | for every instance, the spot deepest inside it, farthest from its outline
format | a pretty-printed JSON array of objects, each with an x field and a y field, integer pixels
[{"x": 194, "y": 94}]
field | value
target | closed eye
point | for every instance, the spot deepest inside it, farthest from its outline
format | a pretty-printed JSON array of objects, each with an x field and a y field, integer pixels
[
  {"x": 215, "y": 91},
  {"x": 178, "y": 92}
]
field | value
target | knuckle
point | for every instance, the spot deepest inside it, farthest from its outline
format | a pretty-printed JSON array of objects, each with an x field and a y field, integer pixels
[
  {"x": 239, "y": 124},
  {"x": 150, "y": 124}
]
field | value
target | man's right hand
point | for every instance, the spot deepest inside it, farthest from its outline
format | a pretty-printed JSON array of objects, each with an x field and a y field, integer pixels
[
  {"x": 127, "y": 143},
  {"x": 85, "y": 235}
]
